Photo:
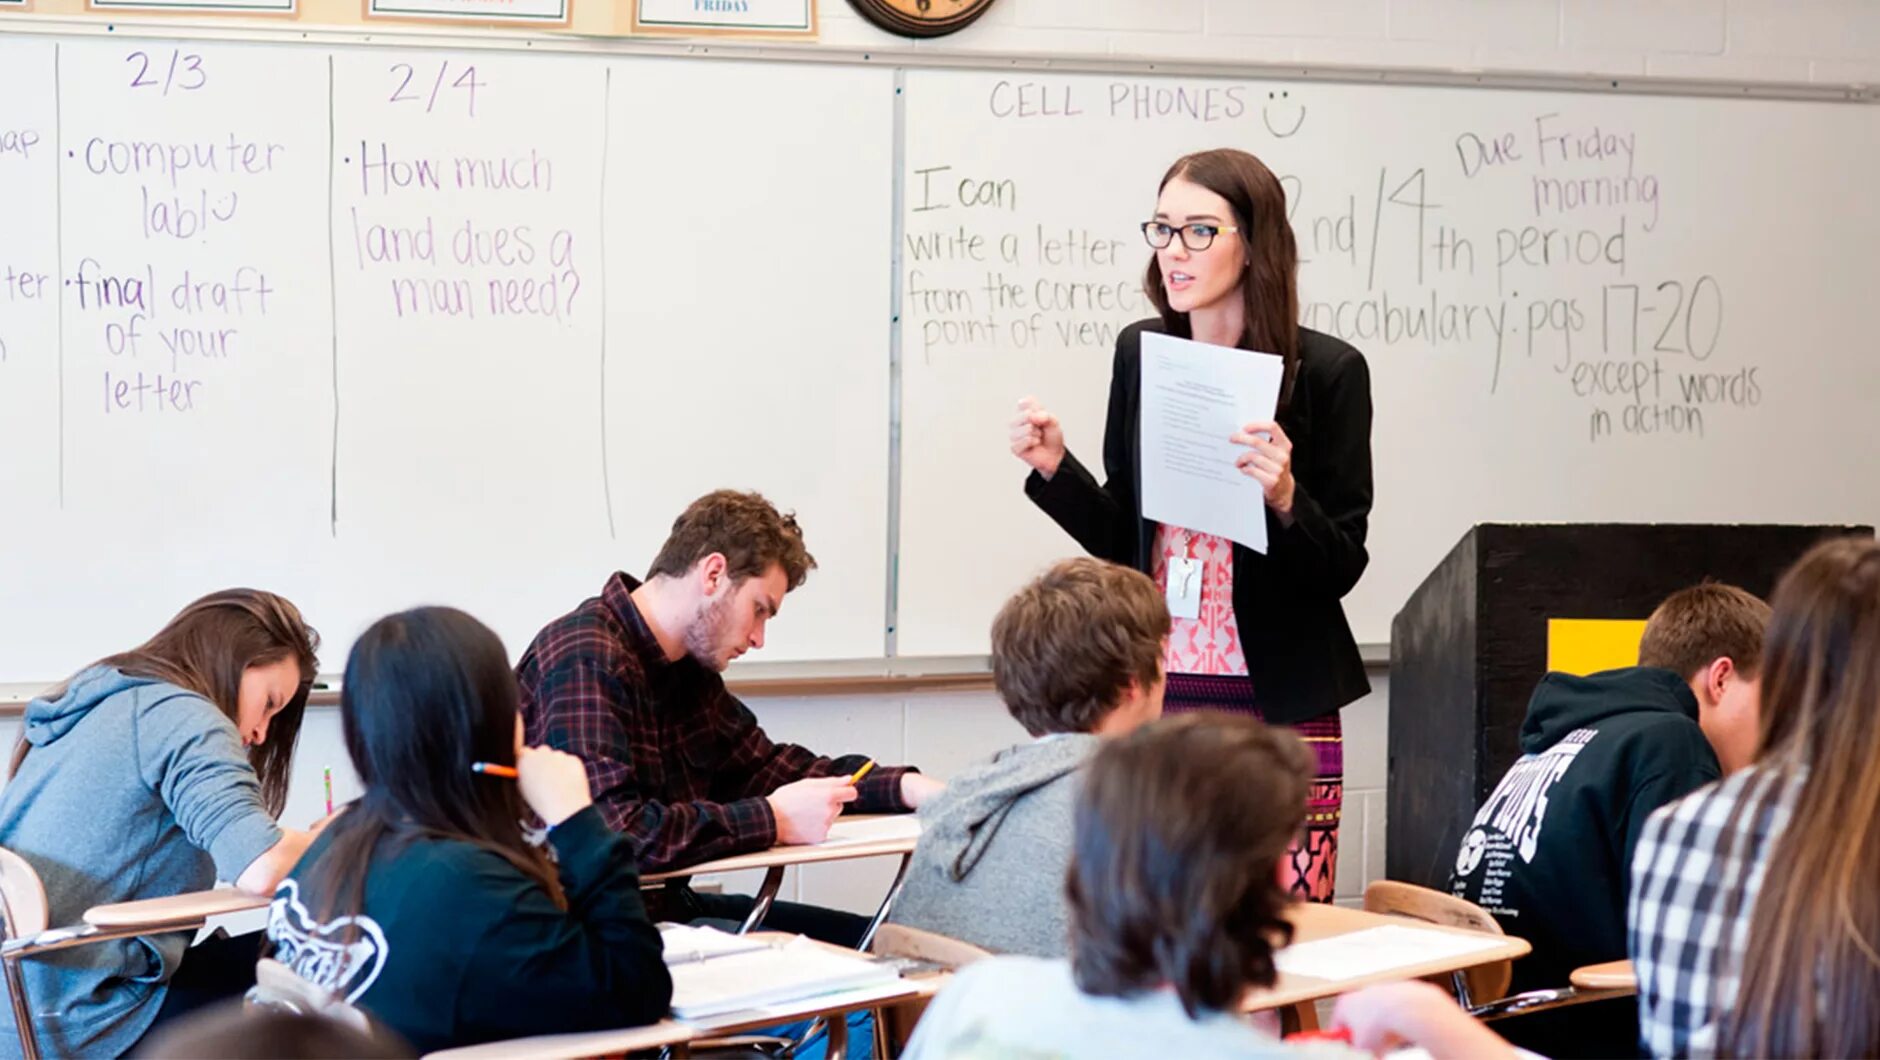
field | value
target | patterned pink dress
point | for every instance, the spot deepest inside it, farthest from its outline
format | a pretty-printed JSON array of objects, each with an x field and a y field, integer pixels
[{"x": 1207, "y": 670}]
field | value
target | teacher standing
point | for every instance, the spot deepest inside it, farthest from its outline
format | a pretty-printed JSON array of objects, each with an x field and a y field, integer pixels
[{"x": 1263, "y": 634}]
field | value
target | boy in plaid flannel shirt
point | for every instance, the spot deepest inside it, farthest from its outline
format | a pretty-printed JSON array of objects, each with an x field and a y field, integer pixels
[{"x": 630, "y": 682}]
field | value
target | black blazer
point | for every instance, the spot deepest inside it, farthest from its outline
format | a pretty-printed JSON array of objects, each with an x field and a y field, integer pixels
[{"x": 1300, "y": 652}]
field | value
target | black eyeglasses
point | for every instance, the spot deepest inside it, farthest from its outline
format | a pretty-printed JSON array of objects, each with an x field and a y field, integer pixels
[{"x": 1196, "y": 237}]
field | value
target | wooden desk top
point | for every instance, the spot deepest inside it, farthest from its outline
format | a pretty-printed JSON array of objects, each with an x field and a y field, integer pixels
[
  {"x": 564, "y": 1046},
  {"x": 1313, "y": 922},
  {"x": 673, "y": 1032},
  {"x": 1612, "y": 975},
  {"x": 174, "y": 909},
  {"x": 837, "y": 850}
]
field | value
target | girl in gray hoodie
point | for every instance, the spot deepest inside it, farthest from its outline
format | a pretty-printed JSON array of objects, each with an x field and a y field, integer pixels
[{"x": 151, "y": 773}]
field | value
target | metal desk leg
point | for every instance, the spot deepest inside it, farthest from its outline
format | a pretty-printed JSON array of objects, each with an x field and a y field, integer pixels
[
  {"x": 22, "y": 1011},
  {"x": 881, "y": 914},
  {"x": 838, "y": 1044},
  {"x": 773, "y": 880}
]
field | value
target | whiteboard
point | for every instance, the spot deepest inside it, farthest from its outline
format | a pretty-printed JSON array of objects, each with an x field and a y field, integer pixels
[
  {"x": 1713, "y": 244},
  {"x": 471, "y": 325},
  {"x": 432, "y": 327}
]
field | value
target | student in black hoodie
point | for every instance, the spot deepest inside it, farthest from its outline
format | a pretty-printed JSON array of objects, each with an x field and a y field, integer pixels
[
  {"x": 422, "y": 903},
  {"x": 1549, "y": 853}
]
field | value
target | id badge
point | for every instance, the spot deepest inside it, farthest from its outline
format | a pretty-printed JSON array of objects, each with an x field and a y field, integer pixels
[{"x": 1184, "y": 587}]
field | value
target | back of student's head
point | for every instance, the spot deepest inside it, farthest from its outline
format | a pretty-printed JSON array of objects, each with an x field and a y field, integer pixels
[
  {"x": 231, "y": 1032},
  {"x": 428, "y": 692},
  {"x": 1181, "y": 826},
  {"x": 746, "y": 529},
  {"x": 210, "y": 644},
  {"x": 1066, "y": 647},
  {"x": 1811, "y": 983},
  {"x": 1694, "y": 627}
]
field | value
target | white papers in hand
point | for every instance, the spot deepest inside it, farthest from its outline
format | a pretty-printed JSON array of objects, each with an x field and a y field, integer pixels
[
  {"x": 1376, "y": 950},
  {"x": 1196, "y": 396}
]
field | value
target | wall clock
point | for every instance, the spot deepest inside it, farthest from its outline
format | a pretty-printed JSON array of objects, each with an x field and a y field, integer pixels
[{"x": 921, "y": 18}]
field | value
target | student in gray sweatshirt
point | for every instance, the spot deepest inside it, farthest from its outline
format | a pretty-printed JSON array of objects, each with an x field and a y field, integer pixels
[
  {"x": 1176, "y": 911},
  {"x": 152, "y": 773},
  {"x": 1077, "y": 657}
]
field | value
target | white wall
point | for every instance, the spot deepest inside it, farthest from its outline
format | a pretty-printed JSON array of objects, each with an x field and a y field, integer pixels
[{"x": 1834, "y": 41}]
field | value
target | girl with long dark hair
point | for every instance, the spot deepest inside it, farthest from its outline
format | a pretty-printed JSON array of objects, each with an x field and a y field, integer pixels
[{"x": 423, "y": 903}]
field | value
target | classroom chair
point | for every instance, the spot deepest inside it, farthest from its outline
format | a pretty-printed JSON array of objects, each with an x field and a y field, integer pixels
[
  {"x": 25, "y": 914},
  {"x": 1482, "y": 990},
  {"x": 894, "y": 1024}
]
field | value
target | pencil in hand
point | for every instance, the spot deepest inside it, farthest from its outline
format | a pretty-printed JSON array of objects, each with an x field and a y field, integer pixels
[
  {"x": 862, "y": 772},
  {"x": 494, "y": 770}
]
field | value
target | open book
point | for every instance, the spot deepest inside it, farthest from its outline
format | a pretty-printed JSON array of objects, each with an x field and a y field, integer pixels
[{"x": 746, "y": 978}]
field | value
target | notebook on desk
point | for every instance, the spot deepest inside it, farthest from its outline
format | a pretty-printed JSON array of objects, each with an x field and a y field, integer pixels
[
  {"x": 847, "y": 831},
  {"x": 752, "y": 978},
  {"x": 685, "y": 943}
]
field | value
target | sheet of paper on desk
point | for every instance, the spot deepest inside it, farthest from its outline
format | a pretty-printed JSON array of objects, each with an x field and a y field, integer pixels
[
  {"x": 684, "y": 943},
  {"x": 849, "y": 830},
  {"x": 770, "y": 976},
  {"x": 1376, "y": 950}
]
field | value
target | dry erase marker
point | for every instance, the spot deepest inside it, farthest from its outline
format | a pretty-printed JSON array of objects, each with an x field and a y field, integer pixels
[
  {"x": 862, "y": 772},
  {"x": 329, "y": 791},
  {"x": 494, "y": 770}
]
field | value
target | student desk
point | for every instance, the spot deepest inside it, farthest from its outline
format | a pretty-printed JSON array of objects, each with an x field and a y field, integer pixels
[
  {"x": 146, "y": 916},
  {"x": 678, "y": 1034},
  {"x": 1612, "y": 975},
  {"x": 852, "y": 836},
  {"x": 1295, "y": 994},
  {"x": 176, "y": 908}
]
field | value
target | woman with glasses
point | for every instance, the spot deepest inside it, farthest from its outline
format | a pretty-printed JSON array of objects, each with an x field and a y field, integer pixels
[{"x": 1253, "y": 634}]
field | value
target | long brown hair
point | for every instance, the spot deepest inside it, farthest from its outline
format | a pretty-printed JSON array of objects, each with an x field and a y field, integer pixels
[
  {"x": 1174, "y": 868},
  {"x": 428, "y": 692},
  {"x": 1271, "y": 285},
  {"x": 207, "y": 647},
  {"x": 1811, "y": 970}
]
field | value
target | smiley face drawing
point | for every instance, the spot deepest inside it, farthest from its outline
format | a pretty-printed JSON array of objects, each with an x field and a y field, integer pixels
[{"x": 1282, "y": 116}]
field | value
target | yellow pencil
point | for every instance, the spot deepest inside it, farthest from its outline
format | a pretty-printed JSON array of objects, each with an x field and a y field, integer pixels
[{"x": 862, "y": 772}]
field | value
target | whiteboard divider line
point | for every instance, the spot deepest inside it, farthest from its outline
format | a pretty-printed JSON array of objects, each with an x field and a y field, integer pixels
[
  {"x": 607, "y": 128},
  {"x": 910, "y": 58},
  {"x": 58, "y": 228},
  {"x": 332, "y": 289},
  {"x": 897, "y": 230}
]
